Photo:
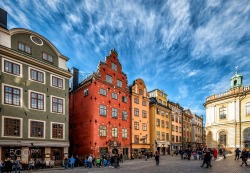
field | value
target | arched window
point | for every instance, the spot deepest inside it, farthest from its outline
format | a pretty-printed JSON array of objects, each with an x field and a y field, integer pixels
[
  {"x": 223, "y": 138},
  {"x": 247, "y": 135},
  {"x": 248, "y": 108}
]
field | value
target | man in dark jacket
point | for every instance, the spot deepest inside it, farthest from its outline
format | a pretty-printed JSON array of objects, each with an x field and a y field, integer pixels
[
  {"x": 237, "y": 153},
  {"x": 207, "y": 158},
  {"x": 244, "y": 156}
]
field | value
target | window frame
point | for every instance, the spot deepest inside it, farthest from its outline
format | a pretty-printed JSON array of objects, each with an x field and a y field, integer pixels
[
  {"x": 103, "y": 131},
  {"x": 47, "y": 59},
  {"x": 119, "y": 83},
  {"x": 109, "y": 79},
  {"x": 222, "y": 113},
  {"x": 114, "y": 96},
  {"x": 124, "y": 114},
  {"x": 20, "y": 127},
  {"x": 136, "y": 125},
  {"x": 12, "y": 96},
  {"x": 114, "y": 132},
  {"x": 144, "y": 126},
  {"x": 52, "y": 132},
  {"x": 136, "y": 112},
  {"x": 136, "y": 100},
  {"x": 103, "y": 108},
  {"x": 124, "y": 133},
  {"x": 136, "y": 139},
  {"x": 37, "y": 104},
  {"x": 103, "y": 92},
  {"x": 52, "y": 104},
  {"x": 247, "y": 107},
  {"x": 11, "y": 72},
  {"x": 113, "y": 66},
  {"x": 57, "y": 81},
  {"x": 114, "y": 111},
  {"x": 24, "y": 47},
  {"x": 30, "y": 129},
  {"x": 37, "y": 73},
  {"x": 144, "y": 114}
]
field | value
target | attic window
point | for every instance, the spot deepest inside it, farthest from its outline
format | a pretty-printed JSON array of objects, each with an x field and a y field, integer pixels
[{"x": 36, "y": 40}]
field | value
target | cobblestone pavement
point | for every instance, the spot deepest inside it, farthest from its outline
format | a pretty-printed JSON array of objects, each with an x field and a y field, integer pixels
[{"x": 171, "y": 164}]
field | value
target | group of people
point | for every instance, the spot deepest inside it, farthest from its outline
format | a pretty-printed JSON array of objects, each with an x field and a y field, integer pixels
[
  {"x": 106, "y": 160},
  {"x": 8, "y": 165},
  {"x": 244, "y": 155}
]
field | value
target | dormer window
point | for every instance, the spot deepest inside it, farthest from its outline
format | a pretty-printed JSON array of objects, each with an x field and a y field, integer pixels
[
  {"x": 114, "y": 66},
  {"x": 235, "y": 82},
  {"x": 24, "y": 47},
  {"x": 47, "y": 57}
]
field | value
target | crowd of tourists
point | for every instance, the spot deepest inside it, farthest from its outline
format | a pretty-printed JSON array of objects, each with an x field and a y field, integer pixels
[{"x": 106, "y": 160}]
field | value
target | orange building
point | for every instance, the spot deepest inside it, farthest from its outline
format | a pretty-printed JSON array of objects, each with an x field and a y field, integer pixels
[
  {"x": 187, "y": 128},
  {"x": 100, "y": 111},
  {"x": 140, "y": 122}
]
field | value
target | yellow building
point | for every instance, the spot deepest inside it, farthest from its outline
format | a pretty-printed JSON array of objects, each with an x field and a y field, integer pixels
[
  {"x": 228, "y": 117},
  {"x": 159, "y": 122},
  {"x": 140, "y": 118}
]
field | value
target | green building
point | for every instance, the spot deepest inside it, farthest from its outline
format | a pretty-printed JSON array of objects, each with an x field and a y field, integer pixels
[{"x": 34, "y": 96}]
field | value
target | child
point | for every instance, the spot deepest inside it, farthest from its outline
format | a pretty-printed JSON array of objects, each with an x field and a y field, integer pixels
[{"x": 195, "y": 155}]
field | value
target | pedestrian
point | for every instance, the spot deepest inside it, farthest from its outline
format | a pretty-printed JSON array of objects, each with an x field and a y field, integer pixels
[
  {"x": 207, "y": 158},
  {"x": 77, "y": 161},
  {"x": 200, "y": 153},
  {"x": 98, "y": 162},
  {"x": 244, "y": 156},
  {"x": 215, "y": 153},
  {"x": 86, "y": 164},
  {"x": 224, "y": 153},
  {"x": 157, "y": 158},
  {"x": 72, "y": 162},
  {"x": 17, "y": 165},
  {"x": 195, "y": 155},
  {"x": 66, "y": 163},
  {"x": 220, "y": 151},
  {"x": 181, "y": 153},
  {"x": 90, "y": 160},
  {"x": 146, "y": 156},
  {"x": 1, "y": 166},
  {"x": 8, "y": 165},
  {"x": 237, "y": 154}
]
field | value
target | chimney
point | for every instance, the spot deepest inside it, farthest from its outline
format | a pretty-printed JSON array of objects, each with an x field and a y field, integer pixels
[
  {"x": 74, "y": 84},
  {"x": 3, "y": 19}
]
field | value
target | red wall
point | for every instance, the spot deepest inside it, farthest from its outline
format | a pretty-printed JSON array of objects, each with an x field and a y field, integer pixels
[{"x": 85, "y": 117}]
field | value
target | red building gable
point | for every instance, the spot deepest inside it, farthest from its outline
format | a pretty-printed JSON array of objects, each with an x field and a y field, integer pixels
[{"x": 100, "y": 111}]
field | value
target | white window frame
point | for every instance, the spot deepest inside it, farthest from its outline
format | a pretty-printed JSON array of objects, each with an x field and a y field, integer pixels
[
  {"x": 21, "y": 95},
  {"x": 114, "y": 110},
  {"x": 119, "y": 83},
  {"x": 51, "y": 131},
  {"x": 114, "y": 96},
  {"x": 51, "y": 81},
  {"x": 29, "y": 128},
  {"x": 51, "y": 105},
  {"x": 103, "y": 92},
  {"x": 21, "y": 67},
  {"x": 115, "y": 132},
  {"x": 109, "y": 78},
  {"x": 144, "y": 126},
  {"x": 125, "y": 133},
  {"x": 44, "y": 101},
  {"x": 21, "y": 127},
  {"x": 44, "y": 75},
  {"x": 114, "y": 66},
  {"x": 86, "y": 92}
]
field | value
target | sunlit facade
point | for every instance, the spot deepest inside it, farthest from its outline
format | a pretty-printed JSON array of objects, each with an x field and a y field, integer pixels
[{"x": 228, "y": 116}]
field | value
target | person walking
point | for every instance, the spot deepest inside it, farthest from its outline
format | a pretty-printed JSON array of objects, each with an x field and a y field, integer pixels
[
  {"x": 244, "y": 156},
  {"x": 157, "y": 158},
  {"x": 66, "y": 163},
  {"x": 237, "y": 154},
  {"x": 1, "y": 166},
  {"x": 72, "y": 162},
  {"x": 215, "y": 153},
  {"x": 8, "y": 165},
  {"x": 90, "y": 160},
  {"x": 146, "y": 156},
  {"x": 17, "y": 165},
  {"x": 207, "y": 158},
  {"x": 224, "y": 153}
]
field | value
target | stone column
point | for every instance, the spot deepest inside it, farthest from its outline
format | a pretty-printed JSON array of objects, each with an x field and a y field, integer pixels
[
  {"x": 47, "y": 153},
  {"x": 25, "y": 154}
]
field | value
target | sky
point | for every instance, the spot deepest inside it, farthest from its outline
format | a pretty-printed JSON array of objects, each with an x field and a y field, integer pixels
[{"x": 187, "y": 48}]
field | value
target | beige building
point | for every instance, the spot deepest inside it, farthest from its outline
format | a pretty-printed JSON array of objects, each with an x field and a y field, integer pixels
[
  {"x": 186, "y": 128},
  {"x": 197, "y": 132},
  {"x": 159, "y": 122},
  {"x": 140, "y": 118},
  {"x": 228, "y": 116}
]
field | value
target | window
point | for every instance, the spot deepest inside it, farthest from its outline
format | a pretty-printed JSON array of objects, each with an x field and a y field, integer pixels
[
  {"x": 114, "y": 132},
  {"x": 103, "y": 92},
  {"x": 136, "y": 139},
  {"x": 37, "y": 101},
  {"x": 158, "y": 111},
  {"x": 223, "y": 113},
  {"x": 248, "y": 108},
  {"x": 108, "y": 79},
  {"x": 12, "y": 127},
  {"x": 144, "y": 126},
  {"x": 176, "y": 118},
  {"x": 180, "y": 129},
  {"x": 162, "y": 113},
  {"x": 158, "y": 122},
  {"x": 176, "y": 128},
  {"x": 162, "y": 123},
  {"x": 24, "y": 47},
  {"x": 160, "y": 101},
  {"x": 158, "y": 135},
  {"x": 124, "y": 99},
  {"x": 124, "y": 115},
  {"x": 86, "y": 92},
  {"x": 47, "y": 57},
  {"x": 173, "y": 128},
  {"x": 103, "y": 110},
  {"x": 136, "y": 125},
  {"x": 167, "y": 124},
  {"x": 114, "y": 113},
  {"x": 172, "y": 138},
  {"x": 180, "y": 138},
  {"x": 176, "y": 138},
  {"x": 124, "y": 133},
  {"x": 164, "y": 103},
  {"x": 36, "y": 75},
  {"x": 144, "y": 103},
  {"x": 103, "y": 130},
  {"x": 114, "y": 96},
  {"x": 144, "y": 114},
  {"x": 166, "y": 114},
  {"x": 119, "y": 83},
  {"x": 57, "y": 131},
  {"x": 12, "y": 96},
  {"x": 162, "y": 135},
  {"x": 37, "y": 129},
  {"x": 114, "y": 66},
  {"x": 223, "y": 138},
  {"x": 136, "y": 100},
  {"x": 11, "y": 68},
  {"x": 57, "y": 105},
  {"x": 172, "y": 118},
  {"x": 57, "y": 82},
  {"x": 136, "y": 112},
  {"x": 167, "y": 136},
  {"x": 140, "y": 92}
]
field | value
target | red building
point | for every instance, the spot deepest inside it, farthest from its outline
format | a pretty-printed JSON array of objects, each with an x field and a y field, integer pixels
[{"x": 100, "y": 111}]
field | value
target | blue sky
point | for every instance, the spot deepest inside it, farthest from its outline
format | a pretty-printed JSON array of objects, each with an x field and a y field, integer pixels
[{"x": 188, "y": 48}]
